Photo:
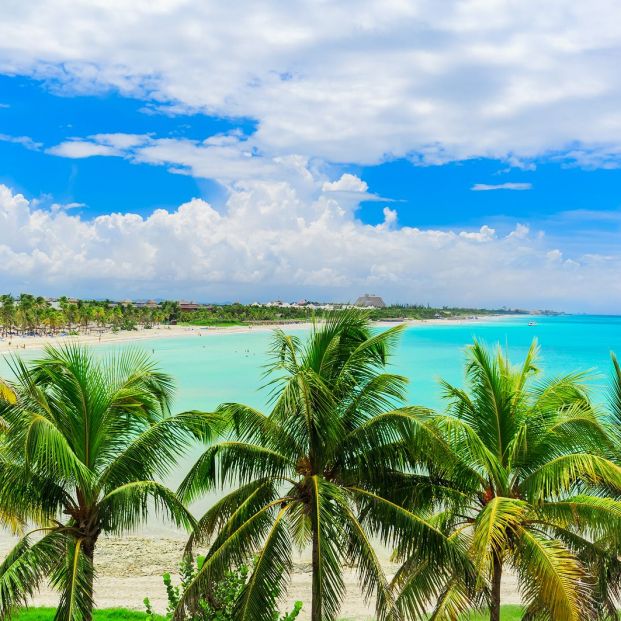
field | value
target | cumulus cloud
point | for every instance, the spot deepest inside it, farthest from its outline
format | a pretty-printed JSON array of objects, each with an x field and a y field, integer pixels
[
  {"x": 349, "y": 81},
  {"x": 347, "y": 183},
  {"x": 276, "y": 239},
  {"x": 485, "y": 187}
]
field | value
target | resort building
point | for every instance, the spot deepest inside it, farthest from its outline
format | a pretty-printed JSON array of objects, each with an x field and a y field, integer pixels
[
  {"x": 188, "y": 307},
  {"x": 147, "y": 304},
  {"x": 370, "y": 300}
]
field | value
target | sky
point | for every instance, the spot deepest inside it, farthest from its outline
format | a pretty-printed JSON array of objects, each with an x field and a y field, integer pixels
[{"x": 454, "y": 153}]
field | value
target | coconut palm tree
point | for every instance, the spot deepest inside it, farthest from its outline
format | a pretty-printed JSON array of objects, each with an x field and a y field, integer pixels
[
  {"x": 310, "y": 473},
  {"x": 516, "y": 481},
  {"x": 8, "y": 516},
  {"x": 88, "y": 442},
  {"x": 606, "y": 564}
]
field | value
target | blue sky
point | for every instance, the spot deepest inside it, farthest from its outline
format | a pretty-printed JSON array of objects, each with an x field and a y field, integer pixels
[
  {"x": 431, "y": 195},
  {"x": 320, "y": 156}
]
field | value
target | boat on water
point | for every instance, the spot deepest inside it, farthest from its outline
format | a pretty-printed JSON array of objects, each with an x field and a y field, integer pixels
[{"x": 532, "y": 323}]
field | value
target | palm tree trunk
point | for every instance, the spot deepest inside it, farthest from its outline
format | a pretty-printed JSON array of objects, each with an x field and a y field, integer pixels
[
  {"x": 316, "y": 591},
  {"x": 494, "y": 609},
  {"x": 89, "y": 552}
]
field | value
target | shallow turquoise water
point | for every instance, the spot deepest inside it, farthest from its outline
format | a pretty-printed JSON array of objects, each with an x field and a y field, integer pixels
[
  {"x": 229, "y": 367},
  {"x": 214, "y": 368}
]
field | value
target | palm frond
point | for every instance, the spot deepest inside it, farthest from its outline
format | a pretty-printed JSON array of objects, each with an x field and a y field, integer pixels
[
  {"x": 395, "y": 525},
  {"x": 232, "y": 462},
  {"x": 235, "y": 548},
  {"x": 327, "y": 533},
  {"x": 127, "y": 506},
  {"x": 594, "y": 515},
  {"x": 614, "y": 397},
  {"x": 493, "y": 528},
  {"x": 155, "y": 451},
  {"x": 559, "y": 476},
  {"x": 373, "y": 581},
  {"x": 228, "y": 513},
  {"x": 25, "y": 567},
  {"x": 552, "y": 578},
  {"x": 271, "y": 570},
  {"x": 7, "y": 393}
]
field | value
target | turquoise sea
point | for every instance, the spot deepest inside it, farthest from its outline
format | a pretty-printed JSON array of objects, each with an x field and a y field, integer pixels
[{"x": 214, "y": 368}]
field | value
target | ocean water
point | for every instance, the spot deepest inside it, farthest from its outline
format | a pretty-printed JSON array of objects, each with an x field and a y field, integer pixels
[{"x": 215, "y": 368}]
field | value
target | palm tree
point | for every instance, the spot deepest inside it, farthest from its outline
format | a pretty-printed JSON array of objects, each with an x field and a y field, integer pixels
[
  {"x": 514, "y": 483},
  {"x": 7, "y": 313},
  {"x": 310, "y": 473},
  {"x": 606, "y": 565},
  {"x": 88, "y": 441},
  {"x": 8, "y": 516}
]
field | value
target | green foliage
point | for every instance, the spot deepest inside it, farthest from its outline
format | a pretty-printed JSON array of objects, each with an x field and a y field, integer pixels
[
  {"x": 86, "y": 443},
  {"x": 221, "y": 602},
  {"x": 127, "y": 324},
  {"x": 234, "y": 314},
  {"x": 28, "y": 314},
  {"x": 313, "y": 471},
  {"x": 99, "y": 614},
  {"x": 514, "y": 476}
]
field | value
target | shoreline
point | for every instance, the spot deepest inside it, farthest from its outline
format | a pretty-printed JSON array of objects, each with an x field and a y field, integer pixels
[{"x": 13, "y": 344}]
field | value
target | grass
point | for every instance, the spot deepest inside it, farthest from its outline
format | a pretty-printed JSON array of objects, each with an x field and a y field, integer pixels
[
  {"x": 103, "y": 614},
  {"x": 508, "y": 613}
]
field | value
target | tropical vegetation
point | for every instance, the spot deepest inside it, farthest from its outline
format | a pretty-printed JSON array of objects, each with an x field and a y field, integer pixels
[
  {"x": 516, "y": 480},
  {"x": 86, "y": 444},
  {"x": 520, "y": 473},
  {"x": 32, "y": 315},
  {"x": 35, "y": 315},
  {"x": 221, "y": 601},
  {"x": 312, "y": 472}
]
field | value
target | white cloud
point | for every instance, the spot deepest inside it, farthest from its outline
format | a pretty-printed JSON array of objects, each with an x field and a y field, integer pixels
[
  {"x": 272, "y": 234},
  {"x": 56, "y": 207},
  {"x": 120, "y": 141},
  {"x": 349, "y": 81},
  {"x": 485, "y": 187},
  {"x": 347, "y": 183},
  {"x": 228, "y": 158},
  {"x": 78, "y": 149},
  {"x": 25, "y": 141}
]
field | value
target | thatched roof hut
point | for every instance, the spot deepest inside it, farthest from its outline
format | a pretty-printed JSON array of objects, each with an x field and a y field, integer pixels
[{"x": 370, "y": 300}]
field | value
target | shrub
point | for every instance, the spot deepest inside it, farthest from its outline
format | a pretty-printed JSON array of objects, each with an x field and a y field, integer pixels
[{"x": 220, "y": 603}]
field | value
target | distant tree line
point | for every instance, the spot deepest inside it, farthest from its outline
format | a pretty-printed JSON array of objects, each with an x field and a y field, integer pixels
[
  {"x": 242, "y": 313},
  {"x": 29, "y": 314}
]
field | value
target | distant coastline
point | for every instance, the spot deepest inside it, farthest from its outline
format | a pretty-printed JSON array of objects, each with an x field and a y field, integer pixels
[{"x": 15, "y": 344}]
